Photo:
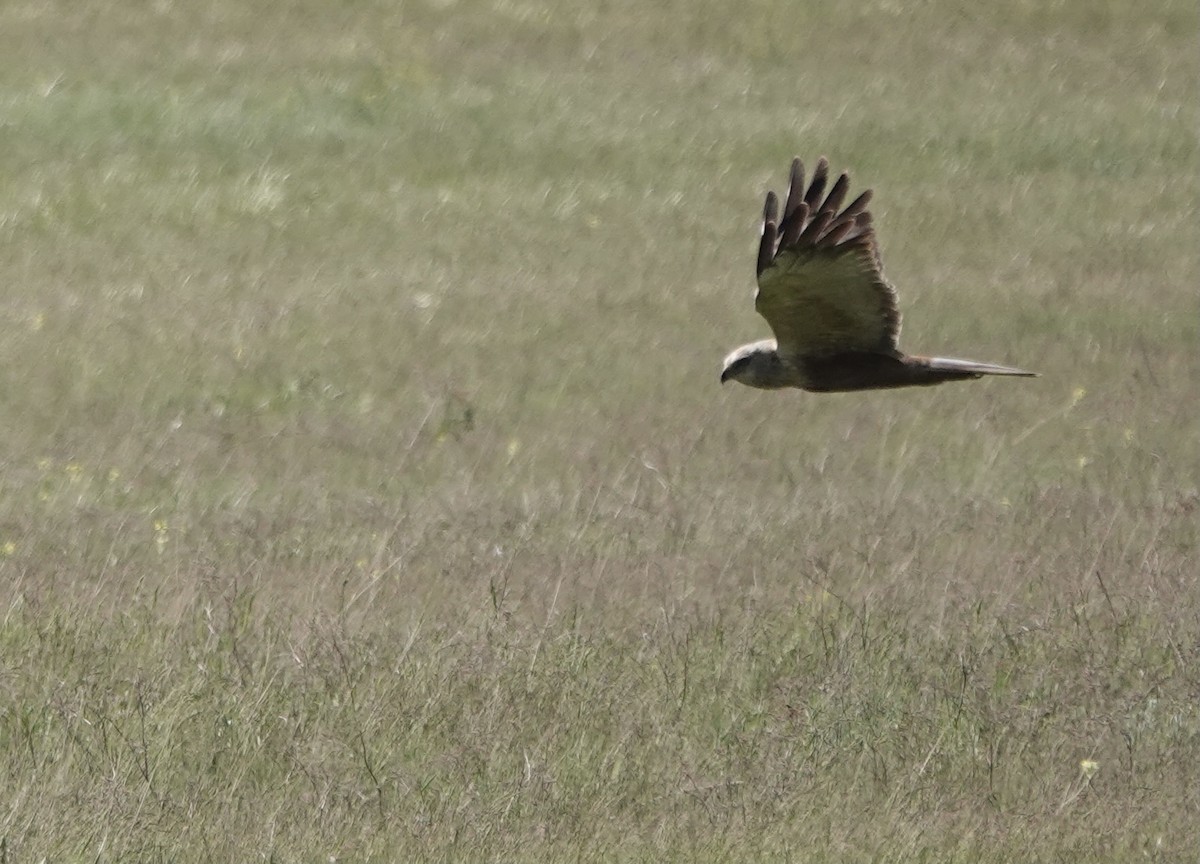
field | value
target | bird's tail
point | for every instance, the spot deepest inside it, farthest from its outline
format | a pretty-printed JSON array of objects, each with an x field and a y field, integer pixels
[{"x": 974, "y": 368}]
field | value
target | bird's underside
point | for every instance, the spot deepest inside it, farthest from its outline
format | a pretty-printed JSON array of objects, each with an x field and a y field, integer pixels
[{"x": 834, "y": 315}]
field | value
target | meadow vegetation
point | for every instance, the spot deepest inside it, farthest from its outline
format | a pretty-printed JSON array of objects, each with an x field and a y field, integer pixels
[{"x": 368, "y": 492}]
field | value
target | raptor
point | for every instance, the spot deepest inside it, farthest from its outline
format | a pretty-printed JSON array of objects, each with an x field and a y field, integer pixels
[{"x": 822, "y": 290}]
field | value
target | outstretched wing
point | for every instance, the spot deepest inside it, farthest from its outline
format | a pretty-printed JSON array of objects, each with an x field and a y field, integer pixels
[{"x": 820, "y": 282}]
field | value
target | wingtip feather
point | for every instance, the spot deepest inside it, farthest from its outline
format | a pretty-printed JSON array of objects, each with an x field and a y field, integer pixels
[
  {"x": 766, "y": 244},
  {"x": 817, "y": 188},
  {"x": 795, "y": 195},
  {"x": 837, "y": 194},
  {"x": 770, "y": 208}
]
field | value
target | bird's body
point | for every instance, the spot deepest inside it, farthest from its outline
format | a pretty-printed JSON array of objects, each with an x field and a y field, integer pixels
[{"x": 834, "y": 315}]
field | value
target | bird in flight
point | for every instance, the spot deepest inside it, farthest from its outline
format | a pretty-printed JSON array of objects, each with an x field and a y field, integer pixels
[{"x": 834, "y": 315}]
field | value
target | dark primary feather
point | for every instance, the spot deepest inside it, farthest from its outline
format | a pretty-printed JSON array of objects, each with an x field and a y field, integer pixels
[
  {"x": 795, "y": 189},
  {"x": 837, "y": 194},
  {"x": 821, "y": 287},
  {"x": 820, "y": 175},
  {"x": 858, "y": 206},
  {"x": 766, "y": 247}
]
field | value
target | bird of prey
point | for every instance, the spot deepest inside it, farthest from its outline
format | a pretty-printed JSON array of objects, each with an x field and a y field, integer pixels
[{"x": 822, "y": 290}]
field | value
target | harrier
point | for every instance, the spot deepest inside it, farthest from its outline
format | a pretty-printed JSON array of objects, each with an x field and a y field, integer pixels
[{"x": 822, "y": 290}]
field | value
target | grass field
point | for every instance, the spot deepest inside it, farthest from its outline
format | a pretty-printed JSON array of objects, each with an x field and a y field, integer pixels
[{"x": 369, "y": 494}]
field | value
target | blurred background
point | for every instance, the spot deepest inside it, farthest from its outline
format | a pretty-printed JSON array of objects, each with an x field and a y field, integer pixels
[{"x": 369, "y": 491}]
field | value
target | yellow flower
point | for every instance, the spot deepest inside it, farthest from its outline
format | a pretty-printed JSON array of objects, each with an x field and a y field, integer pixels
[
  {"x": 160, "y": 534},
  {"x": 1089, "y": 767},
  {"x": 9, "y": 548},
  {"x": 1077, "y": 396}
]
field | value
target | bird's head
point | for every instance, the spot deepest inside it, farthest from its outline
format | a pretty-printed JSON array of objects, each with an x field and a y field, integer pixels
[{"x": 755, "y": 365}]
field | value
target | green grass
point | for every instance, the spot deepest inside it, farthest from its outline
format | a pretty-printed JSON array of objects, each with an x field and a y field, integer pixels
[{"x": 368, "y": 493}]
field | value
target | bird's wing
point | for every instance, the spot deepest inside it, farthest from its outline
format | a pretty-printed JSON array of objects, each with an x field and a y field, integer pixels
[{"x": 820, "y": 281}]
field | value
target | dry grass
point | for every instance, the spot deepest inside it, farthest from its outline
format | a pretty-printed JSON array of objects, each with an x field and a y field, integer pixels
[{"x": 368, "y": 492}]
